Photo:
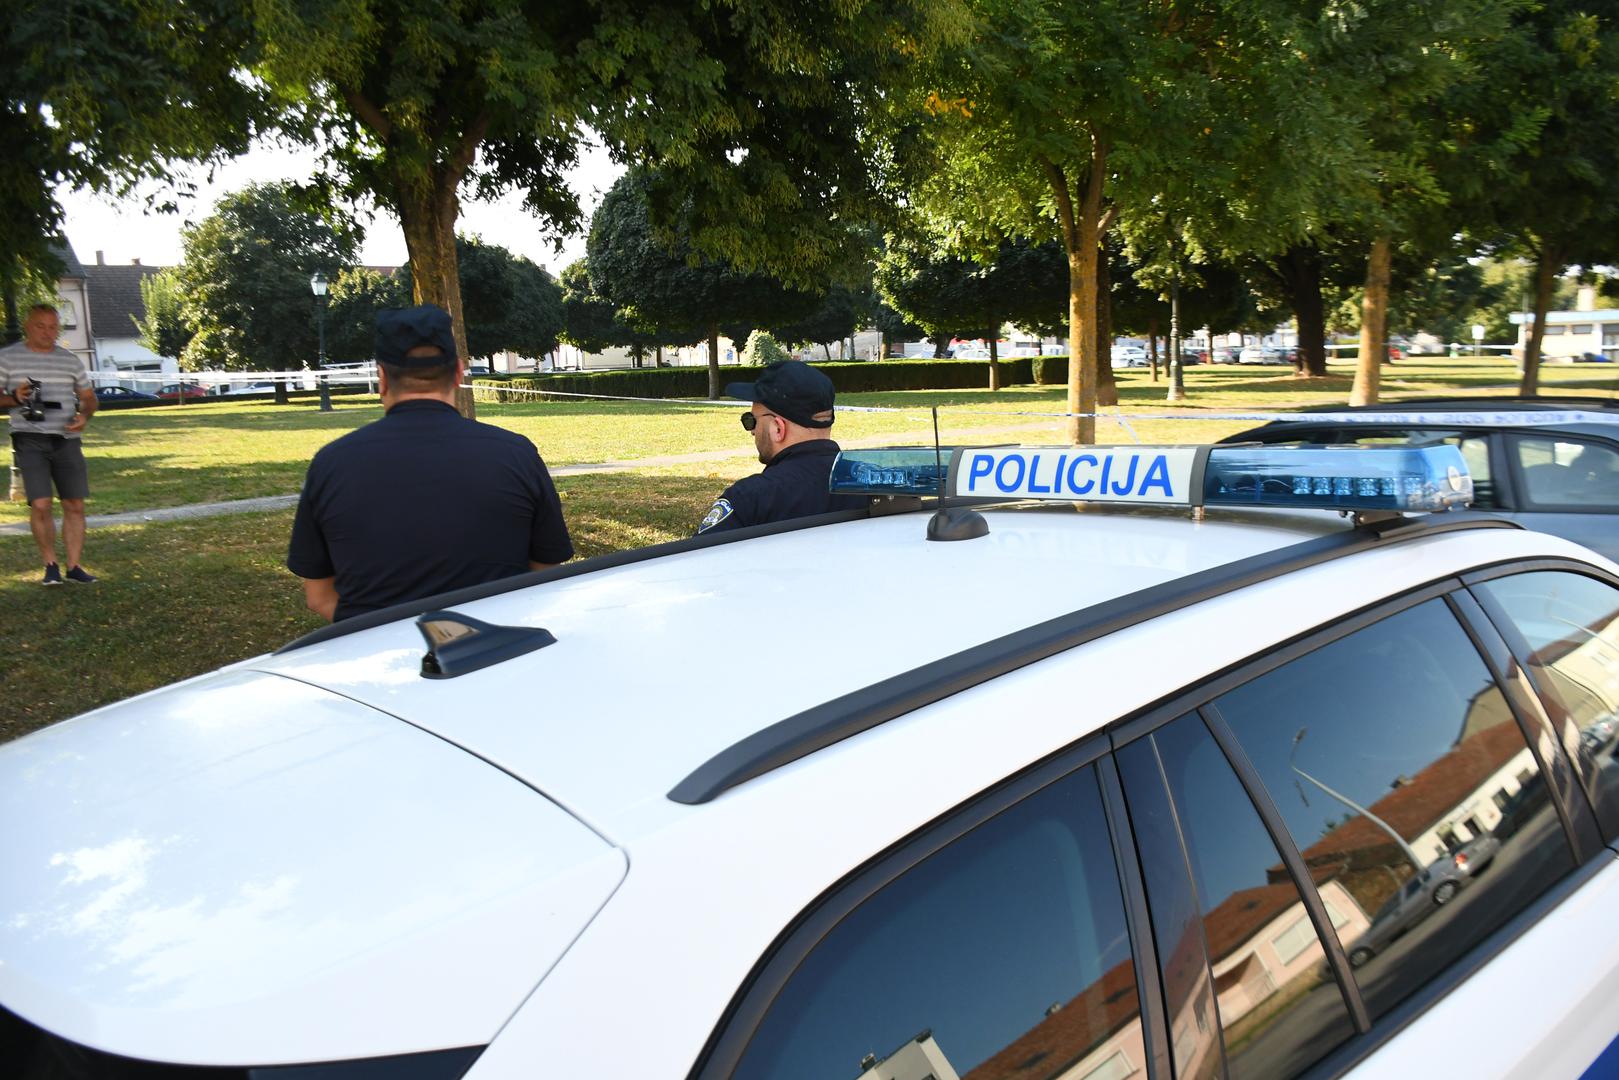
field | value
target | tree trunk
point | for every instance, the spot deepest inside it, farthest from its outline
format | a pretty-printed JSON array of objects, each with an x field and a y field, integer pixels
[
  {"x": 1177, "y": 371},
  {"x": 994, "y": 361},
  {"x": 13, "y": 331},
  {"x": 1545, "y": 271},
  {"x": 1298, "y": 272},
  {"x": 714, "y": 361},
  {"x": 1152, "y": 348},
  {"x": 1107, "y": 388},
  {"x": 827, "y": 349},
  {"x": 1080, "y": 233},
  {"x": 427, "y": 212},
  {"x": 940, "y": 344},
  {"x": 1373, "y": 320}
]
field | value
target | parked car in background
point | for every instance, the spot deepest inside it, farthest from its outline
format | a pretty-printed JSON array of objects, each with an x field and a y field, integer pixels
[
  {"x": 1129, "y": 356},
  {"x": 1262, "y": 354},
  {"x": 107, "y": 394},
  {"x": 479, "y": 369},
  {"x": 172, "y": 392},
  {"x": 1422, "y": 894},
  {"x": 1559, "y": 478},
  {"x": 262, "y": 387}
]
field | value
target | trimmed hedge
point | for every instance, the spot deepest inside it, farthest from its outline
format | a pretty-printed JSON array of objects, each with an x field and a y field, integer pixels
[{"x": 854, "y": 377}]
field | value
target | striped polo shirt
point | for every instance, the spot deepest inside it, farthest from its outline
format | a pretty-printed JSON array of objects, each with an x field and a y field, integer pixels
[{"x": 61, "y": 376}]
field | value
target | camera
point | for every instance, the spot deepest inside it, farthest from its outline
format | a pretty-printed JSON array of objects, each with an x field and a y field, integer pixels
[{"x": 33, "y": 410}]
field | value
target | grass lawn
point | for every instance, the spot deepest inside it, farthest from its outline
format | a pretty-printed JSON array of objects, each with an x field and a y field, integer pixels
[
  {"x": 219, "y": 450},
  {"x": 181, "y": 598}
]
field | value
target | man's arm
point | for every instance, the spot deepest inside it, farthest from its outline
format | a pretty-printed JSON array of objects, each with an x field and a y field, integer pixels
[
  {"x": 320, "y": 596},
  {"x": 88, "y": 403}
]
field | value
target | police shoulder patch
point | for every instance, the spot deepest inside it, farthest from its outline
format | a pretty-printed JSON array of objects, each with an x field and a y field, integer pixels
[{"x": 717, "y": 513}]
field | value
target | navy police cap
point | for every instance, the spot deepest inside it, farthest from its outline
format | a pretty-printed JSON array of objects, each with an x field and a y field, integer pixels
[
  {"x": 400, "y": 330},
  {"x": 790, "y": 389}
]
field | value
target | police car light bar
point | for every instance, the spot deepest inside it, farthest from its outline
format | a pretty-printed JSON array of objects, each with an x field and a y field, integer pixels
[
  {"x": 904, "y": 470},
  {"x": 1398, "y": 478}
]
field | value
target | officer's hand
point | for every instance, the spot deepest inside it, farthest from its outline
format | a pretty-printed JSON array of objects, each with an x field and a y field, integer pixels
[
  {"x": 77, "y": 423},
  {"x": 21, "y": 393}
]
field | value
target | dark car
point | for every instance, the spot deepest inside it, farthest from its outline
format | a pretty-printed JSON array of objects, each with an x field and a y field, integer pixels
[
  {"x": 172, "y": 392},
  {"x": 1561, "y": 478},
  {"x": 105, "y": 394}
]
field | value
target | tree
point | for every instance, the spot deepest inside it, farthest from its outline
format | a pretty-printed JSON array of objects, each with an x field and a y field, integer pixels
[
  {"x": 956, "y": 296},
  {"x": 754, "y": 108},
  {"x": 593, "y": 324},
  {"x": 509, "y": 302},
  {"x": 762, "y": 348},
  {"x": 1543, "y": 187},
  {"x": 664, "y": 284},
  {"x": 1056, "y": 119},
  {"x": 103, "y": 94},
  {"x": 245, "y": 278},
  {"x": 164, "y": 329},
  {"x": 835, "y": 318},
  {"x": 356, "y": 296}
]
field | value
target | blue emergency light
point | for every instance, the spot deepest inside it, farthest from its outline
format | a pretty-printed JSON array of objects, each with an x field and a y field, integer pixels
[
  {"x": 900, "y": 470},
  {"x": 1358, "y": 478}
]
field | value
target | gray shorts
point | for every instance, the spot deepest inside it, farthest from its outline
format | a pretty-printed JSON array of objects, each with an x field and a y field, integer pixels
[{"x": 44, "y": 459}]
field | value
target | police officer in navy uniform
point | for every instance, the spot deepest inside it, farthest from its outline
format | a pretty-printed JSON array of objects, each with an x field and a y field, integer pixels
[
  {"x": 790, "y": 420},
  {"x": 424, "y": 500}
]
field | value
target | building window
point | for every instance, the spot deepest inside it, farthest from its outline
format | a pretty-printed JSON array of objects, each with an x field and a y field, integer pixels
[
  {"x": 1580, "y": 328},
  {"x": 66, "y": 313},
  {"x": 1550, "y": 330}
]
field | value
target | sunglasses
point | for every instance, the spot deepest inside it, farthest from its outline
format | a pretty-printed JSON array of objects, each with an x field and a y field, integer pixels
[{"x": 750, "y": 420}]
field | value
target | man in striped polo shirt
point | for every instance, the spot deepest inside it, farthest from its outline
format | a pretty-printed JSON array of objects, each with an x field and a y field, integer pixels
[{"x": 45, "y": 427}]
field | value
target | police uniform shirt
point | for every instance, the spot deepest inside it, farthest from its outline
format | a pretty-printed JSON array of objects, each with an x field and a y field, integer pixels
[
  {"x": 421, "y": 502},
  {"x": 792, "y": 485},
  {"x": 61, "y": 377}
]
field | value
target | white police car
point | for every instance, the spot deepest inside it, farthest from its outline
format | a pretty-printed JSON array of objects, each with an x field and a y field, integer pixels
[{"x": 1014, "y": 790}]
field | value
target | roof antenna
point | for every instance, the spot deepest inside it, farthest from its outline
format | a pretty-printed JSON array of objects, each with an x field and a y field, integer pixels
[{"x": 951, "y": 522}]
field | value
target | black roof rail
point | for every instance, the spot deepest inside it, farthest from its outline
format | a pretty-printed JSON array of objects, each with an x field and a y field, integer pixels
[
  {"x": 815, "y": 728},
  {"x": 412, "y": 608}
]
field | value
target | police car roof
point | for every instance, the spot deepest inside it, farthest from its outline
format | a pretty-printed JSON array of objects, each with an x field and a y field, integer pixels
[{"x": 659, "y": 665}]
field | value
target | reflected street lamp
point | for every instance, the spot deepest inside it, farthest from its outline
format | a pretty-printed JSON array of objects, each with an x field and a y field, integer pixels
[
  {"x": 317, "y": 285},
  {"x": 1410, "y": 852}
]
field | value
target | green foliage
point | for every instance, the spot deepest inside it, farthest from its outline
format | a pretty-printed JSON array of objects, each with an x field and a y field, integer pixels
[
  {"x": 763, "y": 349},
  {"x": 356, "y": 296},
  {"x": 593, "y": 324},
  {"x": 106, "y": 93},
  {"x": 245, "y": 278},
  {"x": 755, "y": 109},
  {"x": 835, "y": 318},
  {"x": 508, "y": 302},
  {"x": 164, "y": 330}
]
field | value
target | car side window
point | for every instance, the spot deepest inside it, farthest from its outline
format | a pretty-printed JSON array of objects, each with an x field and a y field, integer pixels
[
  {"x": 1407, "y": 784},
  {"x": 1566, "y": 473},
  {"x": 1005, "y": 953},
  {"x": 1279, "y": 1008},
  {"x": 1570, "y": 624}
]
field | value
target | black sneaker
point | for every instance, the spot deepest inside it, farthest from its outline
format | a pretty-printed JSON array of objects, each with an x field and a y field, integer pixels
[
  {"x": 78, "y": 575},
  {"x": 53, "y": 575}
]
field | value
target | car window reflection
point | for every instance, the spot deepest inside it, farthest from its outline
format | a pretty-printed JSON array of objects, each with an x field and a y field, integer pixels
[
  {"x": 1004, "y": 955},
  {"x": 1571, "y": 625},
  {"x": 1409, "y": 788},
  {"x": 1280, "y": 1010}
]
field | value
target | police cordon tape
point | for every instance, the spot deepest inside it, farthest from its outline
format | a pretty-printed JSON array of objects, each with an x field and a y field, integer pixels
[{"x": 1501, "y": 418}]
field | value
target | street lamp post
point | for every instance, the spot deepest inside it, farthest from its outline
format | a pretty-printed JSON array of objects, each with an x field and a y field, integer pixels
[
  {"x": 317, "y": 285},
  {"x": 1410, "y": 852}
]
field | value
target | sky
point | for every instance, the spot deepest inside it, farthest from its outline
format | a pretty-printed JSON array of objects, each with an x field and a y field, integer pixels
[{"x": 125, "y": 231}]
